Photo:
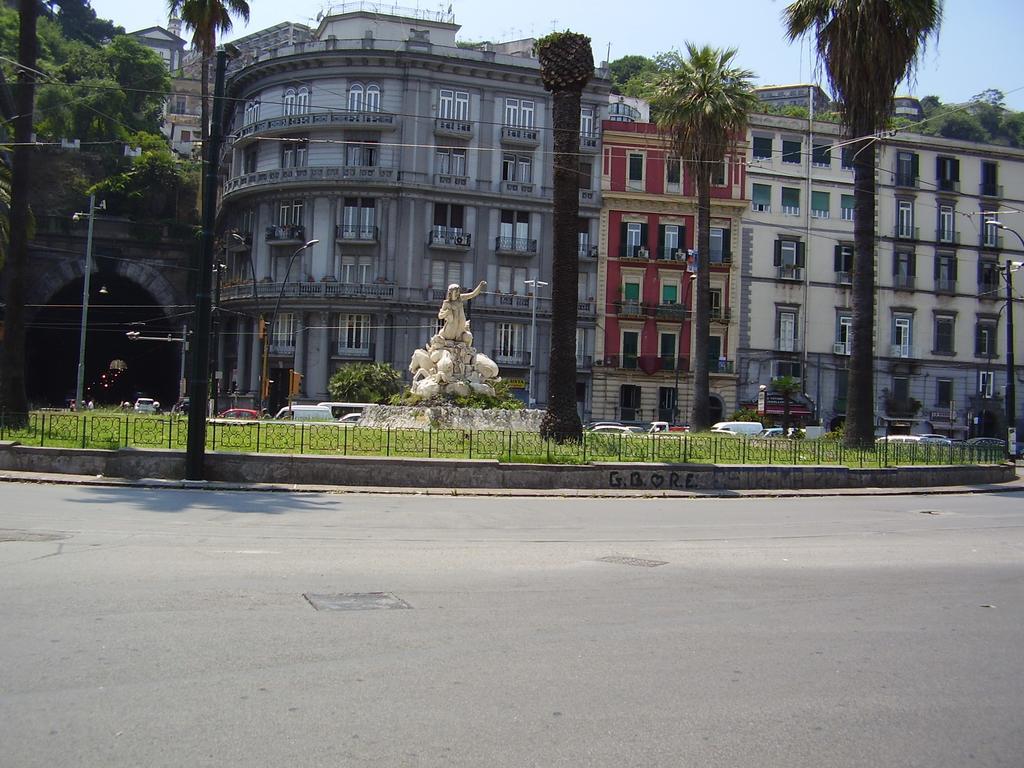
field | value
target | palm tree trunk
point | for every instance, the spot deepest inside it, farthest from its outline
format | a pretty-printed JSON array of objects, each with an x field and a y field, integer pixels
[
  {"x": 700, "y": 416},
  {"x": 204, "y": 96},
  {"x": 562, "y": 422},
  {"x": 860, "y": 401},
  {"x": 12, "y": 380}
]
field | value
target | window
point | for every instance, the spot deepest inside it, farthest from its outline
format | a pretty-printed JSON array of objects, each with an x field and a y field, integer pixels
[
  {"x": 945, "y": 272},
  {"x": 843, "y": 263},
  {"x": 791, "y": 201},
  {"x": 990, "y": 231},
  {"x": 670, "y": 293},
  {"x": 673, "y": 173},
  {"x": 786, "y": 330},
  {"x": 362, "y": 153},
  {"x": 636, "y": 169},
  {"x": 719, "y": 172},
  {"x": 510, "y": 340},
  {"x": 905, "y": 220},
  {"x": 671, "y": 240},
  {"x": 985, "y": 339},
  {"x": 761, "y": 198},
  {"x": 842, "y": 387},
  {"x": 252, "y": 111},
  {"x": 985, "y": 383},
  {"x": 519, "y": 113},
  {"x": 946, "y": 232},
  {"x": 450, "y": 161},
  {"x": 719, "y": 245},
  {"x": 789, "y": 368},
  {"x": 516, "y": 168},
  {"x": 791, "y": 151},
  {"x": 907, "y": 169},
  {"x": 900, "y": 390},
  {"x": 453, "y": 104},
  {"x": 715, "y": 303},
  {"x": 902, "y": 327},
  {"x": 846, "y": 158},
  {"x": 762, "y": 149},
  {"x": 302, "y": 101},
  {"x": 947, "y": 173},
  {"x": 944, "y": 393},
  {"x": 449, "y": 219},
  {"x": 359, "y": 218},
  {"x": 820, "y": 205},
  {"x": 630, "y": 348},
  {"x": 249, "y": 160},
  {"x": 514, "y": 230},
  {"x": 633, "y": 237},
  {"x": 789, "y": 258},
  {"x": 354, "y": 332},
  {"x": 667, "y": 350},
  {"x": 586, "y": 175},
  {"x": 945, "y": 326},
  {"x": 583, "y": 232},
  {"x": 357, "y": 270},
  {"x": 186, "y": 136},
  {"x": 847, "y": 205},
  {"x": 988, "y": 278},
  {"x": 290, "y": 213},
  {"x": 180, "y": 105},
  {"x": 844, "y": 334},
  {"x": 282, "y": 335},
  {"x": 631, "y": 291},
  {"x": 629, "y": 399},
  {"x": 586, "y": 121},
  {"x": 371, "y": 103},
  {"x": 667, "y": 410},
  {"x": 445, "y": 273},
  {"x": 821, "y": 155},
  {"x": 989, "y": 179},
  {"x": 294, "y": 153},
  {"x": 903, "y": 269},
  {"x": 355, "y": 97}
]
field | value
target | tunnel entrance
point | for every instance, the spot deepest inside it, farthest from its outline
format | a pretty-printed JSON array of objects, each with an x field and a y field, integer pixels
[{"x": 116, "y": 369}]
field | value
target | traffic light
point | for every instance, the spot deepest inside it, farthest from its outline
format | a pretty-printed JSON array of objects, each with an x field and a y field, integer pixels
[
  {"x": 294, "y": 382},
  {"x": 263, "y": 328},
  {"x": 265, "y": 391}
]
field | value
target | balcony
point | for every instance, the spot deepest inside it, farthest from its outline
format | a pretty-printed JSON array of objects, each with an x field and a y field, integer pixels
[
  {"x": 518, "y": 246},
  {"x": 675, "y": 312},
  {"x": 673, "y": 254},
  {"x": 588, "y": 251},
  {"x": 901, "y": 351},
  {"x": 512, "y": 301},
  {"x": 629, "y": 309},
  {"x": 787, "y": 272},
  {"x": 590, "y": 141},
  {"x": 286, "y": 234},
  {"x": 281, "y": 347},
  {"x": 945, "y": 285},
  {"x": 317, "y": 174},
  {"x": 906, "y": 232},
  {"x": 588, "y": 197},
  {"x": 947, "y": 236},
  {"x": 988, "y": 189},
  {"x": 905, "y": 180},
  {"x": 721, "y": 366},
  {"x": 649, "y": 364},
  {"x": 326, "y": 288},
  {"x": 847, "y": 214},
  {"x": 640, "y": 252},
  {"x": 721, "y": 314},
  {"x": 584, "y": 362},
  {"x": 948, "y": 185},
  {"x": 382, "y": 121},
  {"x": 989, "y": 288},
  {"x": 520, "y": 137},
  {"x": 819, "y": 213},
  {"x": 787, "y": 344},
  {"x": 991, "y": 242},
  {"x": 903, "y": 282},
  {"x": 902, "y": 408},
  {"x": 355, "y": 233},
  {"x": 585, "y": 307},
  {"x": 518, "y": 188},
  {"x": 841, "y": 348},
  {"x": 450, "y": 180},
  {"x": 456, "y": 129},
  {"x": 844, "y": 278},
  {"x": 352, "y": 351},
  {"x": 511, "y": 357},
  {"x": 761, "y": 207},
  {"x": 791, "y": 210},
  {"x": 456, "y": 239}
]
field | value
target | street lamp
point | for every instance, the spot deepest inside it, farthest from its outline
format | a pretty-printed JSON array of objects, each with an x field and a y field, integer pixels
[
  {"x": 80, "y": 381},
  {"x": 535, "y": 285},
  {"x": 1011, "y": 388},
  {"x": 273, "y": 318}
]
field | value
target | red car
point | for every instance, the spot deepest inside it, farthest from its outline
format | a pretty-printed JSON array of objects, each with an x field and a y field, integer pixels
[{"x": 239, "y": 413}]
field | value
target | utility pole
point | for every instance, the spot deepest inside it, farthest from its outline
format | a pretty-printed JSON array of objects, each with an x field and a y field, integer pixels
[{"x": 80, "y": 380}]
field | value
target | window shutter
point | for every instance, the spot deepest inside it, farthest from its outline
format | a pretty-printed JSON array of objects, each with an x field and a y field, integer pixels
[
  {"x": 839, "y": 258},
  {"x": 622, "y": 237},
  {"x": 935, "y": 273},
  {"x": 800, "y": 257},
  {"x": 682, "y": 237},
  {"x": 643, "y": 235},
  {"x": 952, "y": 265},
  {"x": 955, "y": 170},
  {"x": 911, "y": 264},
  {"x": 778, "y": 253},
  {"x": 977, "y": 340},
  {"x": 726, "y": 243},
  {"x": 939, "y": 162},
  {"x": 915, "y": 166},
  {"x": 895, "y": 264},
  {"x": 662, "y": 251}
]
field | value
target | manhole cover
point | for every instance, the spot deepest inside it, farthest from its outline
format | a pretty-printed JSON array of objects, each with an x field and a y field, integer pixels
[
  {"x": 9, "y": 535},
  {"x": 356, "y": 601},
  {"x": 633, "y": 561}
]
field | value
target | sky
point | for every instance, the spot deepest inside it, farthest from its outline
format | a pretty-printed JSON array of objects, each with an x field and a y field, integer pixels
[{"x": 979, "y": 45}]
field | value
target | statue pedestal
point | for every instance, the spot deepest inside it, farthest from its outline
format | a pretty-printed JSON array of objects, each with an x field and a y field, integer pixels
[{"x": 451, "y": 368}]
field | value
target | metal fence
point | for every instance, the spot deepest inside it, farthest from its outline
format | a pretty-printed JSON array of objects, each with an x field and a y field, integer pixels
[{"x": 113, "y": 431}]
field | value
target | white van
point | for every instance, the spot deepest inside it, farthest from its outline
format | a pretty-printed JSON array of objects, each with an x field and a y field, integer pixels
[
  {"x": 305, "y": 413},
  {"x": 741, "y": 428},
  {"x": 344, "y": 409}
]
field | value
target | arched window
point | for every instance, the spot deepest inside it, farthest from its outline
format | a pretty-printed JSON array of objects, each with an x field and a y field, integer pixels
[
  {"x": 289, "y": 101},
  {"x": 302, "y": 101},
  {"x": 355, "y": 98},
  {"x": 252, "y": 111},
  {"x": 372, "y": 103}
]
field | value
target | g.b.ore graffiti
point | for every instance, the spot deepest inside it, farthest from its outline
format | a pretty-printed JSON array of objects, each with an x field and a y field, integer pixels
[{"x": 637, "y": 479}]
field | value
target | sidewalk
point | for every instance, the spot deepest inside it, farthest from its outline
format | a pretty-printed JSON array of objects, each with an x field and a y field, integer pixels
[{"x": 11, "y": 476}]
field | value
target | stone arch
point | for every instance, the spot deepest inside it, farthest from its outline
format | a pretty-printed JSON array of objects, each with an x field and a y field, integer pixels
[{"x": 67, "y": 271}]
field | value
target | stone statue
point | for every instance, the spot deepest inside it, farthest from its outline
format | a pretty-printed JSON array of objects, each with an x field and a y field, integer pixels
[{"x": 449, "y": 365}]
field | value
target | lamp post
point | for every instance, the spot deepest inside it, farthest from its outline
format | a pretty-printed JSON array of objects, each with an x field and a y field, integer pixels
[
  {"x": 80, "y": 380},
  {"x": 1011, "y": 388},
  {"x": 264, "y": 368},
  {"x": 535, "y": 285}
]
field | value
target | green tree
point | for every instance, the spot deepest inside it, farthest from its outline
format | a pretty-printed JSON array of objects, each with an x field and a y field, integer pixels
[
  {"x": 155, "y": 187},
  {"x": 78, "y": 21},
  {"x": 207, "y": 19},
  {"x": 365, "y": 383},
  {"x": 566, "y": 66},
  {"x": 867, "y": 48},
  {"x": 621, "y": 71},
  {"x": 702, "y": 106},
  {"x": 786, "y": 386}
]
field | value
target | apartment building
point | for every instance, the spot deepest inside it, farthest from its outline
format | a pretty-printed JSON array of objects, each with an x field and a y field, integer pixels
[
  {"x": 643, "y": 369},
  {"x": 414, "y": 164},
  {"x": 940, "y": 312}
]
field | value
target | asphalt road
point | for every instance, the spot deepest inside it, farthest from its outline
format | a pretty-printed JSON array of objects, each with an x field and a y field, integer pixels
[{"x": 154, "y": 627}]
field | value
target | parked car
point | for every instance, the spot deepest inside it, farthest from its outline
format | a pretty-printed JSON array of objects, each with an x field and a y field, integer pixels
[
  {"x": 986, "y": 442},
  {"x": 181, "y": 406},
  {"x": 770, "y": 432},
  {"x": 935, "y": 439},
  {"x": 242, "y": 414},
  {"x": 664, "y": 426},
  {"x": 738, "y": 428},
  {"x": 305, "y": 413},
  {"x": 618, "y": 429},
  {"x": 595, "y": 424},
  {"x": 899, "y": 439},
  {"x": 146, "y": 405},
  {"x": 350, "y": 418}
]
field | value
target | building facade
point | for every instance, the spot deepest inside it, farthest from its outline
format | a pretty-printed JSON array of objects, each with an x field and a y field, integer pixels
[
  {"x": 413, "y": 164},
  {"x": 940, "y": 309},
  {"x": 645, "y": 286}
]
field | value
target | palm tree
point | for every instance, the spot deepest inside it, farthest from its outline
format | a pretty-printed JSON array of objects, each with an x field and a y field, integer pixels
[
  {"x": 702, "y": 105},
  {"x": 566, "y": 65},
  {"x": 207, "y": 19},
  {"x": 867, "y": 48},
  {"x": 12, "y": 373},
  {"x": 786, "y": 386}
]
